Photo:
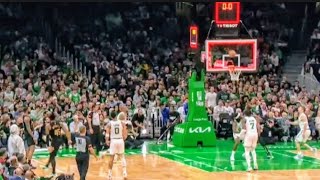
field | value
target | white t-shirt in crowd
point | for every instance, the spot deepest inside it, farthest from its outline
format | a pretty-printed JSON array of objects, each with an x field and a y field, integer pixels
[
  {"x": 211, "y": 99},
  {"x": 229, "y": 110},
  {"x": 96, "y": 119},
  {"x": 217, "y": 110},
  {"x": 275, "y": 60},
  {"x": 182, "y": 114}
]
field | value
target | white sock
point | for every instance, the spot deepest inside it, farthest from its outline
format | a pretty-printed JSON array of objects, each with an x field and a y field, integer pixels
[
  {"x": 233, "y": 153},
  {"x": 247, "y": 154},
  {"x": 110, "y": 171},
  {"x": 254, "y": 157}
]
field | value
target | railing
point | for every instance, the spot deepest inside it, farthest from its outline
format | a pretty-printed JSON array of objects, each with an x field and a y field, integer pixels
[
  {"x": 153, "y": 122},
  {"x": 71, "y": 60},
  {"x": 309, "y": 81}
]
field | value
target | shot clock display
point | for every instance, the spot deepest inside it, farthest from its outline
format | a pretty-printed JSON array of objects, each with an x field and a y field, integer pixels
[
  {"x": 227, "y": 19},
  {"x": 227, "y": 13}
]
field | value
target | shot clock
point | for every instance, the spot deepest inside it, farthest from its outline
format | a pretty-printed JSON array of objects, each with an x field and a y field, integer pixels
[
  {"x": 227, "y": 12},
  {"x": 227, "y": 19}
]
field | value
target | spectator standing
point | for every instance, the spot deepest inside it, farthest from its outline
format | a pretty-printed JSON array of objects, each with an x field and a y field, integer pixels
[
  {"x": 275, "y": 61},
  {"x": 211, "y": 98},
  {"x": 74, "y": 127},
  {"x": 219, "y": 109},
  {"x": 15, "y": 142}
]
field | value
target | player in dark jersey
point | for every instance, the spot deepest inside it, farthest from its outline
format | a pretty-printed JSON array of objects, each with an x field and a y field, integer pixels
[
  {"x": 30, "y": 140},
  {"x": 83, "y": 148},
  {"x": 54, "y": 130}
]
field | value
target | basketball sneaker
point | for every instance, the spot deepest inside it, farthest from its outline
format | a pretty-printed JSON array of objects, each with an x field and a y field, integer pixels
[
  {"x": 255, "y": 167},
  {"x": 298, "y": 156},
  {"x": 270, "y": 156},
  {"x": 314, "y": 150},
  {"x": 125, "y": 174},
  {"x": 45, "y": 167},
  {"x": 109, "y": 175},
  {"x": 249, "y": 169}
]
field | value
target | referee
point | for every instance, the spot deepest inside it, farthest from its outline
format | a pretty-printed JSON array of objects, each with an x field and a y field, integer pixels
[{"x": 83, "y": 148}]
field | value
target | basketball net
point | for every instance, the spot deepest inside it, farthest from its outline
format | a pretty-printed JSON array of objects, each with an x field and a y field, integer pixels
[{"x": 234, "y": 73}]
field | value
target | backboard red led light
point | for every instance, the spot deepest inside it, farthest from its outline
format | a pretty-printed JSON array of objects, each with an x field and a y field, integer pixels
[
  {"x": 217, "y": 55},
  {"x": 194, "y": 37}
]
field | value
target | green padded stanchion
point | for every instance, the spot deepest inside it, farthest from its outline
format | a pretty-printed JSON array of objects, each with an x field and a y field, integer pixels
[{"x": 197, "y": 130}]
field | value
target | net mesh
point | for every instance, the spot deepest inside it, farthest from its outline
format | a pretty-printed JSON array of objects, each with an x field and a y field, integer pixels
[{"x": 234, "y": 73}]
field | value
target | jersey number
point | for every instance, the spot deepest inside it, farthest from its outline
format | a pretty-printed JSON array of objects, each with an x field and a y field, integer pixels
[
  {"x": 252, "y": 125},
  {"x": 116, "y": 130}
]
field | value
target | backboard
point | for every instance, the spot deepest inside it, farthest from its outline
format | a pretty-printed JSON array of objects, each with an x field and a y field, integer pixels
[{"x": 217, "y": 56}]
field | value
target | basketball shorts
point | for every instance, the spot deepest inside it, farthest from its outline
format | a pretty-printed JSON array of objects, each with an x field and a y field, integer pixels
[
  {"x": 239, "y": 135},
  {"x": 116, "y": 146},
  {"x": 251, "y": 140},
  {"x": 301, "y": 139},
  {"x": 28, "y": 141}
]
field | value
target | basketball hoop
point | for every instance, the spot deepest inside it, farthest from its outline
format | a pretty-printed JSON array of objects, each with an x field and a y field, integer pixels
[{"x": 234, "y": 73}]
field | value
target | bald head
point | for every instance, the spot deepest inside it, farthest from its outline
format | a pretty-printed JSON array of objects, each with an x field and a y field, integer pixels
[{"x": 121, "y": 116}]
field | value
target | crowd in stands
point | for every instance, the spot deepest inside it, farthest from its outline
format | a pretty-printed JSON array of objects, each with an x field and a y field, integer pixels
[
  {"x": 138, "y": 58},
  {"x": 313, "y": 53}
]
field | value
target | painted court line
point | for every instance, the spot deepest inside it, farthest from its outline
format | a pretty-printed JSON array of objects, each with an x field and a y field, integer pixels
[
  {"x": 305, "y": 160},
  {"x": 224, "y": 170},
  {"x": 234, "y": 172},
  {"x": 42, "y": 163},
  {"x": 208, "y": 152},
  {"x": 190, "y": 160}
]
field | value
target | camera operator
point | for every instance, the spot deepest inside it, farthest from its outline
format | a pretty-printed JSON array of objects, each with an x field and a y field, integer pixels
[
  {"x": 174, "y": 118},
  {"x": 132, "y": 142},
  {"x": 138, "y": 122},
  {"x": 266, "y": 136}
]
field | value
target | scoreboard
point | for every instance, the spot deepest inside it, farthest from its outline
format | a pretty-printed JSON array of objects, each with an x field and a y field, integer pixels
[{"x": 227, "y": 19}]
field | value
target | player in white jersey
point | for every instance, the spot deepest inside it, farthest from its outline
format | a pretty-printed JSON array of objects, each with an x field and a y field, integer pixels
[
  {"x": 238, "y": 133},
  {"x": 116, "y": 133},
  {"x": 303, "y": 134},
  {"x": 252, "y": 128}
]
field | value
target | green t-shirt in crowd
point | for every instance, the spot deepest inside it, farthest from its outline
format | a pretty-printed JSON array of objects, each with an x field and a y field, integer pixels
[
  {"x": 103, "y": 100},
  {"x": 177, "y": 99},
  {"x": 75, "y": 97},
  {"x": 164, "y": 100}
]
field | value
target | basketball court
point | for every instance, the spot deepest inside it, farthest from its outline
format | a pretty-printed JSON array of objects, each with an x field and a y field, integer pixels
[
  {"x": 176, "y": 161},
  {"x": 166, "y": 161}
]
